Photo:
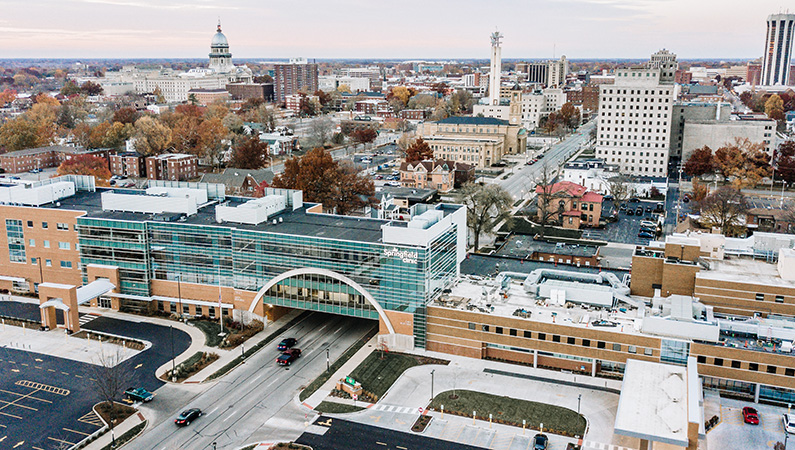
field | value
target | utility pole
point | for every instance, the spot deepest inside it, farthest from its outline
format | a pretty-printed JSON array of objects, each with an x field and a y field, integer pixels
[
  {"x": 579, "y": 397},
  {"x": 432, "y": 371}
]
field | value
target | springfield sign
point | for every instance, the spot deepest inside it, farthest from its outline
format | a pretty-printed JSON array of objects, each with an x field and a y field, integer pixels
[{"x": 408, "y": 256}]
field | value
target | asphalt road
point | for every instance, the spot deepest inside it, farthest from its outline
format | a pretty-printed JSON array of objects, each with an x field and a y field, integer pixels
[
  {"x": 255, "y": 402},
  {"x": 342, "y": 433},
  {"x": 43, "y": 415},
  {"x": 627, "y": 228},
  {"x": 524, "y": 177}
]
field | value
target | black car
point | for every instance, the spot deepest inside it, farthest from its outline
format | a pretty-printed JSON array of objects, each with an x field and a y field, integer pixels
[
  {"x": 540, "y": 442},
  {"x": 286, "y": 343},
  {"x": 648, "y": 208},
  {"x": 630, "y": 212},
  {"x": 608, "y": 198},
  {"x": 634, "y": 200},
  {"x": 188, "y": 416},
  {"x": 639, "y": 211}
]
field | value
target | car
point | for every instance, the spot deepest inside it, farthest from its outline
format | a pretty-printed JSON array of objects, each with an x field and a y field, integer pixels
[
  {"x": 639, "y": 211},
  {"x": 789, "y": 423},
  {"x": 286, "y": 343},
  {"x": 750, "y": 416},
  {"x": 659, "y": 207},
  {"x": 648, "y": 224},
  {"x": 530, "y": 162},
  {"x": 634, "y": 200},
  {"x": 139, "y": 395},
  {"x": 540, "y": 441},
  {"x": 35, "y": 171},
  {"x": 188, "y": 416},
  {"x": 392, "y": 183},
  {"x": 287, "y": 358},
  {"x": 645, "y": 235},
  {"x": 608, "y": 198},
  {"x": 379, "y": 177},
  {"x": 648, "y": 208},
  {"x": 127, "y": 184},
  {"x": 630, "y": 212}
]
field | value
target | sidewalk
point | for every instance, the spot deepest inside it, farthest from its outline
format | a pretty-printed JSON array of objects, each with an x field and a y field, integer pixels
[
  {"x": 128, "y": 424},
  {"x": 343, "y": 371}
]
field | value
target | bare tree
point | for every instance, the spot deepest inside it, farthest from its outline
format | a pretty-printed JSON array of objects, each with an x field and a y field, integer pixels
[
  {"x": 619, "y": 188},
  {"x": 110, "y": 377},
  {"x": 724, "y": 209},
  {"x": 547, "y": 199},
  {"x": 320, "y": 131},
  {"x": 487, "y": 206}
]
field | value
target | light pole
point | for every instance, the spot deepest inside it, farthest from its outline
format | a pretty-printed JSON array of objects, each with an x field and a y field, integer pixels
[
  {"x": 432, "y": 371},
  {"x": 579, "y": 397},
  {"x": 328, "y": 363},
  {"x": 173, "y": 363}
]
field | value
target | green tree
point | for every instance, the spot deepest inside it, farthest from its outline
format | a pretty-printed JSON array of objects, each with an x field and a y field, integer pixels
[{"x": 487, "y": 206}]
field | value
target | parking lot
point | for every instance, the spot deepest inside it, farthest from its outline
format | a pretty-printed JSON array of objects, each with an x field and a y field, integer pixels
[
  {"x": 626, "y": 229},
  {"x": 733, "y": 434}
]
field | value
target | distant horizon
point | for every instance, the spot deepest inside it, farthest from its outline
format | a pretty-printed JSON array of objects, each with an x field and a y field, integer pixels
[{"x": 460, "y": 60}]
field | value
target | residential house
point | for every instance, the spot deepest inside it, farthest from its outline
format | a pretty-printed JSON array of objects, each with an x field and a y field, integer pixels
[
  {"x": 571, "y": 205},
  {"x": 240, "y": 181},
  {"x": 440, "y": 175}
]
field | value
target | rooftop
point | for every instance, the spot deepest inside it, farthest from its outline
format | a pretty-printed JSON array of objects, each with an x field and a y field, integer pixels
[
  {"x": 746, "y": 270},
  {"x": 524, "y": 246},
  {"x": 466, "y": 120}
]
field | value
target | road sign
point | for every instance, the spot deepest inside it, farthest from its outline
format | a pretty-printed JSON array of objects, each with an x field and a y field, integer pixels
[
  {"x": 350, "y": 380},
  {"x": 355, "y": 397}
]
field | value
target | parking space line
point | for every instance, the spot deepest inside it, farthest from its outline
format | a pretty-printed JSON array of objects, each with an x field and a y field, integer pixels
[
  {"x": 20, "y": 395},
  {"x": 19, "y": 406},
  {"x": 10, "y": 415},
  {"x": 61, "y": 441},
  {"x": 78, "y": 432},
  {"x": 42, "y": 387}
]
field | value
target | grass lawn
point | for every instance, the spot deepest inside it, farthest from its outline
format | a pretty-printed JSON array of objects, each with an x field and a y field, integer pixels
[
  {"x": 210, "y": 330},
  {"x": 377, "y": 375},
  {"x": 556, "y": 419},
  {"x": 336, "y": 408}
]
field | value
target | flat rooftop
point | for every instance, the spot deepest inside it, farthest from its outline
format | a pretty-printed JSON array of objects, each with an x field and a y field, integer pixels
[
  {"x": 746, "y": 270},
  {"x": 523, "y": 246}
]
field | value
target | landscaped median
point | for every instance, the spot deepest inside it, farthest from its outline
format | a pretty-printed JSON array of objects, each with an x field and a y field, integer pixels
[
  {"x": 511, "y": 411},
  {"x": 379, "y": 371},
  {"x": 191, "y": 366}
]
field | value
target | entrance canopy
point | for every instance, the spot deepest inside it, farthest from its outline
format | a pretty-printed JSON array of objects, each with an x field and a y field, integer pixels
[
  {"x": 93, "y": 290},
  {"x": 56, "y": 303}
]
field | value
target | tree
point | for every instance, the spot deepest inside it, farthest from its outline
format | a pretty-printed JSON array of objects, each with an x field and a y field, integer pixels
[
  {"x": 324, "y": 181},
  {"x": 70, "y": 88},
  {"x": 723, "y": 209},
  {"x": 364, "y": 135},
  {"x": 746, "y": 162},
  {"x": 91, "y": 88},
  {"x": 419, "y": 150},
  {"x": 402, "y": 94},
  {"x": 619, "y": 187},
  {"x": 774, "y": 107},
  {"x": 700, "y": 162},
  {"x": 126, "y": 115},
  {"x": 151, "y": 137},
  {"x": 110, "y": 376},
  {"x": 569, "y": 115},
  {"x": 547, "y": 198},
  {"x": 250, "y": 153},
  {"x": 320, "y": 131},
  {"x": 700, "y": 190},
  {"x": 87, "y": 164},
  {"x": 487, "y": 206},
  {"x": 785, "y": 164},
  {"x": 192, "y": 99},
  {"x": 7, "y": 96},
  {"x": 461, "y": 102},
  {"x": 18, "y": 134},
  {"x": 233, "y": 123}
]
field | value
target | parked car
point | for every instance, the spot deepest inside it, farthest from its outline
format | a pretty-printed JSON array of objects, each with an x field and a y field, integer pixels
[
  {"x": 634, "y": 200},
  {"x": 392, "y": 183},
  {"x": 287, "y": 358},
  {"x": 35, "y": 170},
  {"x": 379, "y": 177},
  {"x": 630, "y": 211},
  {"x": 789, "y": 423},
  {"x": 286, "y": 343},
  {"x": 139, "y": 395},
  {"x": 648, "y": 223},
  {"x": 608, "y": 198},
  {"x": 648, "y": 208},
  {"x": 639, "y": 211},
  {"x": 540, "y": 442},
  {"x": 645, "y": 235},
  {"x": 660, "y": 207},
  {"x": 750, "y": 416},
  {"x": 188, "y": 416}
]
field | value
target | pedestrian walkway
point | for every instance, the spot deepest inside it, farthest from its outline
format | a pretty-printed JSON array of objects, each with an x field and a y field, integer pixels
[
  {"x": 105, "y": 440},
  {"x": 602, "y": 446},
  {"x": 86, "y": 318},
  {"x": 396, "y": 409}
]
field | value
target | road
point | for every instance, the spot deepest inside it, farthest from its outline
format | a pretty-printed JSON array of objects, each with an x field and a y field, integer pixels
[
  {"x": 524, "y": 177},
  {"x": 342, "y": 433},
  {"x": 257, "y": 401}
]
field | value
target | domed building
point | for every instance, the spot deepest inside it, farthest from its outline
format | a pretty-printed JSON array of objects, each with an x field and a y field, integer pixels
[{"x": 220, "y": 58}]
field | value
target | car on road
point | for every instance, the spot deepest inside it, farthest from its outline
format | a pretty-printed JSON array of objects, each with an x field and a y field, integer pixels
[
  {"x": 645, "y": 235},
  {"x": 530, "y": 162},
  {"x": 139, "y": 395},
  {"x": 630, "y": 211},
  {"x": 789, "y": 423},
  {"x": 634, "y": 200},
  {"x": 660, "y": 207},
  {"x": 286, "y": 343},
  {"x": 750, "y": 415},
  {"x": 287, "y": 358},
  {"x": 649, "y": 208},
  {"x": 188, "y": 416},
  {"x": 392, "y": 183},
  {"x": 540, "y": 442}
]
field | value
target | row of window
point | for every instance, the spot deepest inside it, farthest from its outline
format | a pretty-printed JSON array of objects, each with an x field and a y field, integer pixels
[
  {"x": 48, "y": 263},
  {"x": 46, "y": 244},
  {"x": 632, "y": 144},
  {"x": 616, "y": 347},
  {"x": 753, "y": 367},
  {"x": 761, "y": 297},
  {"x": 58, "y": 226},
  {"x": 200, "y": 310}
]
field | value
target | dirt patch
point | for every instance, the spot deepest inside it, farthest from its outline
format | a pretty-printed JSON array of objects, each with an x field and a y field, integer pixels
[
  {"x": 128, "y": 343},
  {"x": 118, "y": 414}
]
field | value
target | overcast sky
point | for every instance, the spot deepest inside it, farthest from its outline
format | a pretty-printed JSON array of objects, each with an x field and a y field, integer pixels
[{"x": 379, "y": 29}]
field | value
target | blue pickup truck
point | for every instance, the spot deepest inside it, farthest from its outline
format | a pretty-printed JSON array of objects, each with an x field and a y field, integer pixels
[{"x": 139, "y": 395}]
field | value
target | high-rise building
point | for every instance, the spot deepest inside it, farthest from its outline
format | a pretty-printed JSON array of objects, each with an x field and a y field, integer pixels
[
  {"x": 296, "y": 76},
  {"x": 550, "y": 73},
  {"x": 778, "y": 47},
  {"x": 635, "y": 117}
]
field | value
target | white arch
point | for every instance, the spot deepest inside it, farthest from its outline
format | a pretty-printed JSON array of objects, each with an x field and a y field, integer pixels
[{"x": 327, "y": 273}]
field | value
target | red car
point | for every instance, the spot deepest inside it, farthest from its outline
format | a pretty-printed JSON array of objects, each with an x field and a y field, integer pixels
[
  {"x": 750, "y": 416},
  {"x": 287, "y": 358}
]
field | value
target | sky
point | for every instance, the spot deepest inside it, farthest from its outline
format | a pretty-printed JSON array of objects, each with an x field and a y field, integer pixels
[{"x": 408, "y": 29}]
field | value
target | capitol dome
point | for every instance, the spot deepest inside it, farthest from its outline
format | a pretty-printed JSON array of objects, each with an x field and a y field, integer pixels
[{"x": 219, "y": 40}]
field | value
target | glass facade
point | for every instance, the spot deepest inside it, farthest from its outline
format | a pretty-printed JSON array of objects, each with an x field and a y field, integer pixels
[
  {"x": 400, "y": 278},
  {"x": 673, "y": 351},
  {"x": 16, "y": 241}
]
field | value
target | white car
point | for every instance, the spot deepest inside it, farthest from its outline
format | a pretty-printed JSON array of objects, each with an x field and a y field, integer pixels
[
  {"x": 789, "y": 423},
  {"x": 392, "y": 183}
]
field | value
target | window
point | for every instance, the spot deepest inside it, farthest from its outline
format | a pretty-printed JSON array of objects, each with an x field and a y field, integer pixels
[
  {"x": 34, "y": 261},
  {"x": 46, "y": 244},
  {"x": 617, "y": 347},
  {"x": 718, "y": 361},
  {"x": 648, "y": 352},
  {"x": 66, "y": 264},
  {"x": 160, "y": 306},
  {"x": 64, "y": 246},
  {"x": 790, "y": 372},
  {"x": 48, "y": 262},
  {"x": 471, "y": 326},
  {"x": 632, "y": 349},
  {"x": 185, "y": 308},
  {"x": 779, "y": 299},
  {"x": 44, "y": 225},
  {"x": 528, "y": 334},
  {"x": 586, "y": 342},
  {"x": 760, "y": 297},
  {"x": 16, "y": 241},
  {"x": 512, "y": 332},
  {"x": 735, "y": 364},
  {"x": 62, "y": 226},
  {"x": 600, "y": 344},
  {"x": 754, "y": 367},
  {"x": 570, "y": 341},
  {"x": 555, "y": 338},
  {"x": 173, "y": 307},
  {"x": 771, "y": 369},
  {"x": 211, "y": 312},
  {"x": 673, "y": 351},
  {"x": 31, "y": 242},
  {"x": 498, "y": 330},
  {"x": 542, "y": 336},
  {"x": 484, "y": 328},
  {"x": 702, "y": 359},
  {"x": 30, "y": 224}
]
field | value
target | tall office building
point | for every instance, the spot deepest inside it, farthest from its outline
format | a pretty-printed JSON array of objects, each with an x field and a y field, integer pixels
[
  {"x": 550, "y": 73},
  {"x": 296, "y": 76},
  {"x": 778, "y": 48},
  {"x": 635, "y": 117}
]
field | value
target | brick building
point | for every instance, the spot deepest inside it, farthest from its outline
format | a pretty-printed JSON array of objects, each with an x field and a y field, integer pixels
[
  {"x": 296, "y": 76},
  {"x": 206, "y": 97},
  {"x": 414, "y": 114},
  {"x": 172, "y": 166},
  {"x": 587, "y": 96},
  {"x": 43, "y": 157},
  {"x": 130, "y": 164},
  {"x": 570, "y": 204},
  {"x": 246, "y": 91},
  {"x": 440, "y": 175}
]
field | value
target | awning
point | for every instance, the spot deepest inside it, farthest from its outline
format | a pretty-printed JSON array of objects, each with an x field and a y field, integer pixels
[
  {"x": 93, "y": 290},
  {"x": 14, "y": 279},
  {"x": 57, "y": 303},
  {"x": 188, "y": 301}
]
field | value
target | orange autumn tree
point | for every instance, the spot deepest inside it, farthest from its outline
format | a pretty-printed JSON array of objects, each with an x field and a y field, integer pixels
[{"x": 87, "y": 165}]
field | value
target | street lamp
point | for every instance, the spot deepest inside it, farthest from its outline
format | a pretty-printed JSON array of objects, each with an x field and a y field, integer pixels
[
  {"x": 173, "y": 362},
  {"x": 328, "y": 363},
  {"x": 579, "y": 397},
  {"x": 432, "y": 371}
]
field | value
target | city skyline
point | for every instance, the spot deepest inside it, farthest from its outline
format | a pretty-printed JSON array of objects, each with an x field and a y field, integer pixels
[{"x": 360, "y": 30}]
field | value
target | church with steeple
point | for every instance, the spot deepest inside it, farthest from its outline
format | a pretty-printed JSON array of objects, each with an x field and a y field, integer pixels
[{"x": 175, "y": 86}]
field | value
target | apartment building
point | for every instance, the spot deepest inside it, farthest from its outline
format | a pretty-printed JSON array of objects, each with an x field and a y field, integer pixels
[
  {"x": 43, "y": 157},
  {"x": 130, "y": 164},
  {"x": 296, "y": 76},
  {"x": 635, "y": 117},
  {"x": 172, "y": 166}
]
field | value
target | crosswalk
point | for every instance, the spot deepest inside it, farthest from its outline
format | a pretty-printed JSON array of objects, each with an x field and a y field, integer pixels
[
  {"x": 85, "y": 318},
  {"x": 602, "y": 446},
  {"x": 396, "y": 409}
]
